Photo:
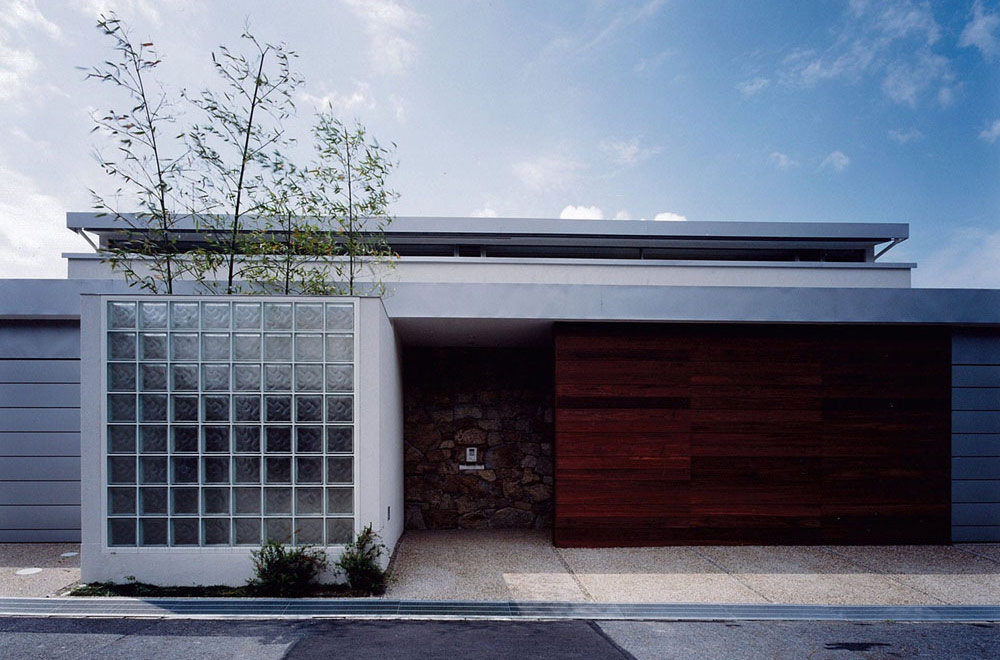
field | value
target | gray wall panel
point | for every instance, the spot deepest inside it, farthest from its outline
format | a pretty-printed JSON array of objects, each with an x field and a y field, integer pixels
[
  {"x": 975, "y": 444},
  {"x": 39, "y": 395},
  {"x": 967, "y": 467},
  {"x": 64, "y": 493},
  {"x": 39, "y": 419},
  {"x": 975, "y": 421},
  {"x": 41, "y": 470},
  {"x": 40, "y": 535},
  {"x": 983, "y": 491},
  {"x": 39, "y": 339},
  {"x": 975, "y": 514},
  {"x": 26, "y": 517},
  {"x": 975, "y": 376},
  {"x": 40, "y": 444},
  {"x": 975, "y": 398},
  {"x": 976, "y": 534},
  {"x": 972, "y": 347},
  {"x": 40, "y": 371}
]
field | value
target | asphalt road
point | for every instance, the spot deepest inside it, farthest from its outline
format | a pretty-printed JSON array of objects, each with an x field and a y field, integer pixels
[{"x": 152, "y": 639}]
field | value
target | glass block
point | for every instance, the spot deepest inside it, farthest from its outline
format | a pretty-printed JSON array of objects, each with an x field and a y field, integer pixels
[
  {"x": 216, "y": 501},
  {"x": 121, "y": 531},
  {"x": 246, "y": 347},
  {"x": 185, "y": 500},
  {"x": 121, "y": 345},
  {"x": 121, "y": 500},
  {"x": 309, "y": 316},
  {"x": 121, "y": 315},
  {"x": 185, "y": 408},
  {"x": 340, "y": 348},
  {"x": 154, "y": 407},
  {"x": 247, "y": 469},
  {"x": 121, "y": 377},
  {"x": 246, "y": 408},
  {"x": 308, "y": 531},
  {"x": 215, "y": 377},
  {"x": 308, "y": 500},
  {"x": 216, "y": 531},
  {"x": 278, "y": 408},
  {"x": 309, "y": 408},
  {"x": 277, "y": 377},
  {"x": 185, "y": 469},
  {"x": 153, "y": 500},
  {"x": 278, "y": 529},
  {"x": 216, "y": 440},
  {"x": 277, "y": 316},
  {"x": 246, "y": 377},
  {"x": 121, "y": 439},
  {"x": 153, "y": 470},
  {"x": 214, "y": 346},
  {"x": 339, "y": 317},
  {"x": 339, "y": 470},
  {"x": 152, "y": 377},
  {"x": 216, "y": 408},
  {"x": 339, "y": 531},
  {"x": 153, "y": 439},
  {"x": 339, "y": 408},
  {"x": 277, "y": 348},
  {"x": 279, "y": 471},
  {"x": 247, "y": 531},
  {"x": 121, "y": 470},
  {"x": 277, "y": 500},
  {"x": 185, "y": 439},
  {"x": 153, "y": 346},
  {"x": 215, "y": 316},
  {"x": 247, "y": 439},
  {"x": 278, "y": 440},
  {"x": 183, "y": 346},
  {"x": 152, "y": 316},
  {"x": 153, "y": 531},
  {"x": 246, "y": 316},
  {"x": 184, "y": 315},
  {"x": 247, "y": 500},
  {"x": 309, "y": 378},
  {"x": 340, "y": 378},
  {"x": 309, "y": 348},
  {"x": 185, "y": 377},
  {"x": 309, "y": 470},
  {"x": 216, "y": 470},
  {"x": 340, "y": 500},
  {"x": 340, "y": 439},
  {"x": 121, "y": 407},
  {"x": 185, "y": 531},
  {"x": 309, "y": 439}
]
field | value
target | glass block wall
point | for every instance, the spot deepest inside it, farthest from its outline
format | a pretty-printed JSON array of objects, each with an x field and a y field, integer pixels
[{"x": 229, "y": 421}]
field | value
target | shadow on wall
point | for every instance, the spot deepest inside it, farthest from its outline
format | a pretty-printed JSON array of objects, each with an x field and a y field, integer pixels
[{"x": 496, "y": 402}]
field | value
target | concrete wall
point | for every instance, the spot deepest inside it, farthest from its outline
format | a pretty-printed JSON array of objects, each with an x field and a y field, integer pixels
[
  {"x": 39, "y": 431},
  {"x": 975, "y": 436}
]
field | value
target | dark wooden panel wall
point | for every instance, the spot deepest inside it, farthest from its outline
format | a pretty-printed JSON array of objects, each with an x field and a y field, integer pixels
[{"x": 696, "y": 434}]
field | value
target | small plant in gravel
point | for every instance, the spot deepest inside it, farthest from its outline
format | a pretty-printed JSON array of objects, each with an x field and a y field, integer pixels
[
  {"x": 281, "y": 570},
  {"x": 359, "y": 562}
]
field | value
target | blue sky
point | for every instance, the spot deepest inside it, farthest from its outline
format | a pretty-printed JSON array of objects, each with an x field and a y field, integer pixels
[{"x": 743, "y": 110}]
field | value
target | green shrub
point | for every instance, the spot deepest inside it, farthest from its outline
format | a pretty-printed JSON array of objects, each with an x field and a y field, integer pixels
[
  {"x": 284, "y": 570},
  {"x": 359, "y": 562}
]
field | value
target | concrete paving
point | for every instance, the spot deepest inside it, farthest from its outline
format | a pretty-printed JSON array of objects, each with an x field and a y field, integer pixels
[
  {"x": 58, "y": 573},
  {"x": 523, "y": 565}
]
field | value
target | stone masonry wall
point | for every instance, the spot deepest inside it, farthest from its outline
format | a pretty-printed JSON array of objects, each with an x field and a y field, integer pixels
[{"x": 496, "y": 400}]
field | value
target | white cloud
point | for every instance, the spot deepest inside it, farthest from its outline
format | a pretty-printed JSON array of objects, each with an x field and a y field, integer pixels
[
  {"x": 547, "y": 172},
  {"x": 581, "y": 213},
  {"x": 21, "y": 14},
  {"x": 485, "y": 212},
  {"x": 623, "y": 215},
  {"x": 628, "y": 152},
  {"x": 967, "y": 259},
  {"x": 905, "y": 81},
  {"x": 837, "y": 161},
  {"x": 899, "y": 136},
  {"x": 625, "y": 18},
  {"x": 17, "y": 69},
  {"x": 389, "y": 25},
  {"x": 360, "y": 98},
  {"x": 752, "y": 87},
  {"x": 649, "y": 64},
  {"x": 991, "y": 133},
  {"x": 667, "y": 216},
  {"x": 981, "y": 32},
  {"x": 783, "y": 161},
  {"x": 398, "y": 107},
  {"x": 144, "y": 11}
]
